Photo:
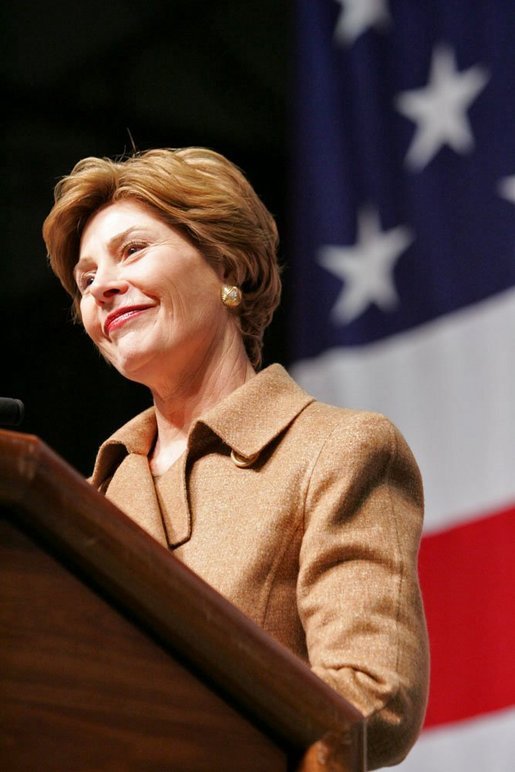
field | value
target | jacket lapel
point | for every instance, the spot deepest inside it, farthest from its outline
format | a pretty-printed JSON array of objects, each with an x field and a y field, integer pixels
[
  {"x": 132, "y": 490},
  {"x": 173, "y": 501}
]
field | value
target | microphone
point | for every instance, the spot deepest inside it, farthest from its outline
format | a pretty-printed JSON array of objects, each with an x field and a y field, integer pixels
[{"x": 11, "y": 411}]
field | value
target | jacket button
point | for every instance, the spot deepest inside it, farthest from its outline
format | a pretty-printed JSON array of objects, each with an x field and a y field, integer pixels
[{"x": 243, "y": 461}]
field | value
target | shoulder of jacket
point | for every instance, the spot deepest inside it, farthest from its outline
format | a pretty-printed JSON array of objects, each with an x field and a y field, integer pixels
[
  {"x": 347, "y": 419},
  {"x": 337, "y": 431}
]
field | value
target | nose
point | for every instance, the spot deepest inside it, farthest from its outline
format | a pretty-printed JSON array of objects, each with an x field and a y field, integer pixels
[{"x": 106, "y": 284}]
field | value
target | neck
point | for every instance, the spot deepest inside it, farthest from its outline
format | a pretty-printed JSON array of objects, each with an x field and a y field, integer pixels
[{"x": 185, "y": 399}]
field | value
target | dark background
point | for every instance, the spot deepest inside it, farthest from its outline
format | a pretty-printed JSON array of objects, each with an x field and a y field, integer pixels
[{"x": 76, "y": 79}]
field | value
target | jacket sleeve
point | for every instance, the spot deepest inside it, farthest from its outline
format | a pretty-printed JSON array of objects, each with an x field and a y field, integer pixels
[{"x": 358, "y": 592}]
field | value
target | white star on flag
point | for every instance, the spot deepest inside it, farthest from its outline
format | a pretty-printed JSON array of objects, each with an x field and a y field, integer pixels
[
  {"x": 440, "y": 108},
  {"x": 506, "y": 188},
  {"x": 366, "y": 268},
  {"x": 356, "y": 16}
]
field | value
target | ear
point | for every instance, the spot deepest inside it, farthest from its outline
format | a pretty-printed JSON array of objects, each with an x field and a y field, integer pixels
[
  {"x": 230, "y": 272},
  {"x": 227, "y": 274}
]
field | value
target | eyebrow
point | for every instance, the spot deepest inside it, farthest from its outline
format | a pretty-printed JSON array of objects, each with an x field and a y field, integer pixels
[{"x": 112, "y": 246}]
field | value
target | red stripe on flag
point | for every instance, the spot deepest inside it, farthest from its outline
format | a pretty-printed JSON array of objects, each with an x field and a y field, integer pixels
[{"x": 468, "y": 582}]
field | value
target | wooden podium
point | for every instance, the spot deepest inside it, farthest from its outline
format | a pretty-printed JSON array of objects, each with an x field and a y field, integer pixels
[{"x": 115, "y": 656}]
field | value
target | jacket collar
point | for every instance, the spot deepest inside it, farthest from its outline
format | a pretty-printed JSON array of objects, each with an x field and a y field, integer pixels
[
  {"x": 137, "y": 436},
  {"x": 247, "y": 421},
  {"x": 256, "y": 413}
]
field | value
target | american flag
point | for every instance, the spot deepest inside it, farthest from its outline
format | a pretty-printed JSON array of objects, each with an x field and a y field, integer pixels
[{"x": 403, "y": 294}]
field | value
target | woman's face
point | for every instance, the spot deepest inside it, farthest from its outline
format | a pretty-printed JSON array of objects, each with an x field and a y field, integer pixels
[{"x": 149, "y": 300}]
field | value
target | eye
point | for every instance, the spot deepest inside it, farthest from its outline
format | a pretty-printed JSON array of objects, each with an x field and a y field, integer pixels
[
  {"x": 132, "y": 247},
  {"x": 84, "y": 280}
]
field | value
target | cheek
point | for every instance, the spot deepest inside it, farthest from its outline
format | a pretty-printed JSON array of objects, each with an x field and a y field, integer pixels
[
  {"x": 190, "y": 293},
  {"x": 89, "y": 320}
]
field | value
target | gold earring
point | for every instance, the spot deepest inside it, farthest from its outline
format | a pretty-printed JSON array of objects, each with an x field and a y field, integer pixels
[{"x": 231, "y": 296}]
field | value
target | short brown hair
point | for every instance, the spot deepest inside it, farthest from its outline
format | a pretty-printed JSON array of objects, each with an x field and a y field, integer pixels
[{"x": 195, "y": 190}]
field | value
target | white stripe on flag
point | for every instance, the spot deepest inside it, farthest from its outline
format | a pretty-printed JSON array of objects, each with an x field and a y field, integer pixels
[
  {"x": 449, "y": 387},
  {"x": 484, "y": 744}
]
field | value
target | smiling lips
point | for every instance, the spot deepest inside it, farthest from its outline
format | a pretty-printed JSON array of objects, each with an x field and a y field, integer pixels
[{"x": 118, "y": 318}]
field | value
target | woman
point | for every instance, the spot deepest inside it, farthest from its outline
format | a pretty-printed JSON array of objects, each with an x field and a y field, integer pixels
[{"x": 305, "y": 516}]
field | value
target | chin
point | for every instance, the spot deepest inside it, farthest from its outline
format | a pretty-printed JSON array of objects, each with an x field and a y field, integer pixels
[{"x": 132, "y": 366}]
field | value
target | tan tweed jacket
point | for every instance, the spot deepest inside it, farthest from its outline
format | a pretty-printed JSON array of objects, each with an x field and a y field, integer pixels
[{"x": 307, "y": 517}]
